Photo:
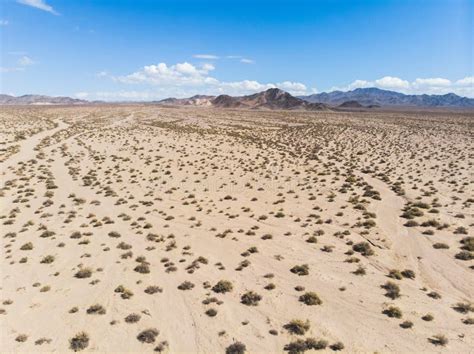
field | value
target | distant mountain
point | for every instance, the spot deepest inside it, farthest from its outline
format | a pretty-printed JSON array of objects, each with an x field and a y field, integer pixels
[
  {"x": 270, "y": 99},
  {"x": 197, "y": 100},
  {"x": 375, "y": 96},
  {"x": 351, "y": 104},
  {"x": 39, "y": 100}
]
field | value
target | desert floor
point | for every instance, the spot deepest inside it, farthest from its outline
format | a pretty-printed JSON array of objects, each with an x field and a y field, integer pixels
[{"x": 190, "y": 230}]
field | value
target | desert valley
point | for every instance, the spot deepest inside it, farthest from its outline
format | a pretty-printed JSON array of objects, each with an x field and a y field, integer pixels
[{"x": 139, "y": 228}]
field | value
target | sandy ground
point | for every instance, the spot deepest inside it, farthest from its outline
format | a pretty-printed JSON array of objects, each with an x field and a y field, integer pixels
[{"x": 375, "y": 208}]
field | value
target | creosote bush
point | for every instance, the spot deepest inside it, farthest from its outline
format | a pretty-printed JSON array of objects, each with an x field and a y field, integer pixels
[
  {"x": 79, "y": 342},
  {"x": 298, "y": 327},
  {"x": 222, "y": 286},
  {"x": 148, "y": 335},
  {"x": 310, "y": 298},
  {"x": 250, "y": 298}
]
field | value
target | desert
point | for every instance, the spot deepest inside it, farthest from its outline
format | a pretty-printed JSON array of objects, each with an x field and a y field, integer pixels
[{"x": 141, "y": 228}]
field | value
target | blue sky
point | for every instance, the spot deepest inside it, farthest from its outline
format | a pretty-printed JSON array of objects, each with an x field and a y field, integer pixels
[{"x": 144, "y": 49}]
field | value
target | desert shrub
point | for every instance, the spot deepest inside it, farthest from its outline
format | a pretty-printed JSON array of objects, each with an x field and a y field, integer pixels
[
  {"x": 406, "y": 324},
  {"x": 45, "y": 288},
  {"x": 300, "y": 269},
  {"x": 363, "y": 248},
  {"x": 468, "y": 244},
  {"x": 148, "y": 335},
  {"x": 47, "y": 259},
  {"x": 211, "y": 312},
  {"x": 468, "y": 321},
  {"x": 124, "y": 292},
  {"x": 439, "y": 339},
  {"x": 124, "y": 246},
  {"x": 142, "y": 268},
  {"x": 236, "y": 348},
  {"x": 186, "y": 285},
  {"x": 222, "y": 286},
  {"x": 132, "y": 318},
  {"x": 47, "y": 233},
  {"x": 296, "y": 347},
  {"x": 83, "y": 273},
  {"x": 250, "y": 298},
  {"x": 428, "y": 317},
  {"x": 75, "y": 234},
  {"x": 411, "y": 223},
  {"x": 96, "y": 310},
  {"x": 359, "y": 271},
  {"x": 42, "y": 340},
  {"x": 337, "y": 346},
  {"x": 393, "y": 290},
  {"x": 463, "y": 307},
  {"x": 310, "y": 298},
  {"x": 269, "y": 286},
  {"x": 114, "y": 234},
  {"x": 440, "y": 245},
  {"x": 464, "y": 256},
  {"x": 461, "y": 230},
  {"x": 21, "y": 338},
  {"x": 408, "y": 273},
  {"x": 153, "y": 289},
  {"x": 393, "y": 311},
  {"x": 27, "y": 247},
  {"x": 298, "y": 327},
  {"x": 79, "y": 342},
  {"x": 434, "y": 295},
  {"x": 395, "y": 274}
]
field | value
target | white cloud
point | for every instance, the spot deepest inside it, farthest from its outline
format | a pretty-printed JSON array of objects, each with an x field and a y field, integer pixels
[
  {"x": 247, "y": 61},
  {"x": 25, "y": 61},
  {"x": 4, "y": 22},
  {"x": 39, "y": 4},
  {"x": 432, "y": 82},
  {"x": 185, "y": 79},
  {"x": 431, "y": 86},
  {"x": 205, "y": 56},
  {"x": 390, "y": 82},
  {"x": 10, "y": 70},
  {"x": 102, "y": 74}
]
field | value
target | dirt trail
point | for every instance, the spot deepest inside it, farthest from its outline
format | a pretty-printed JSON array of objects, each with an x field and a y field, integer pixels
[
  {"x": 27, "y": 146},
  {"x": 437, "y": 270}
]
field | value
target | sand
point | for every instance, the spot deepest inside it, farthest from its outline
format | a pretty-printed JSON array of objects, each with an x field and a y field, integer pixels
[{"x": 152, "y": 196}]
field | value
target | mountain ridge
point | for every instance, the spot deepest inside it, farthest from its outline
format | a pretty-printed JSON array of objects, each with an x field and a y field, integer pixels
[
  {"x": 275, "y": 98},
  {"x": 385, "y": 98},
  {"x": 40, "y": 100}
]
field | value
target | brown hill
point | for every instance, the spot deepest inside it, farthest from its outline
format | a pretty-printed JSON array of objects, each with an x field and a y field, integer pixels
[{"x": 273, "y": 98}]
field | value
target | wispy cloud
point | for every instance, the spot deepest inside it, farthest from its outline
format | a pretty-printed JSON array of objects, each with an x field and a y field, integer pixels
[
  {"x": 247, "y": 61},
  {"x": 39, "y": 4},
  {"x": 10, "y": 70},
  {"x": 206, "y": 56},
  {"x": 4, "y": 22},
  {"x": 25, "y": 61}
]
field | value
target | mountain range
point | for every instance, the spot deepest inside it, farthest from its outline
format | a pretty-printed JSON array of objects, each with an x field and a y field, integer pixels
[
  {"x": 361, "y": 98},
  {"x": 374, "y": 96},
  {"x": 39, "y": 100}
]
